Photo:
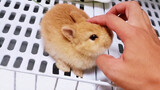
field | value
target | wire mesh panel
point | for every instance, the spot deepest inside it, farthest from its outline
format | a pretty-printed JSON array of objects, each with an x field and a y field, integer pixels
[{"x": 24, "y": 64}]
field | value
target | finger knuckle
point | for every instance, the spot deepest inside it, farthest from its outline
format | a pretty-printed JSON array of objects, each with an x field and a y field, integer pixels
[{"x": 135, "y": 3}]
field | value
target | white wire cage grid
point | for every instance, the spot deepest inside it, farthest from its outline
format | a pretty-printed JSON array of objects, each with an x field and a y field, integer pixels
[{"x": 24, "y": 64}]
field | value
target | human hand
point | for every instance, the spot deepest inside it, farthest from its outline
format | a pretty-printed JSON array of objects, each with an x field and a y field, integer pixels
[{"x": 138, "y": 68}]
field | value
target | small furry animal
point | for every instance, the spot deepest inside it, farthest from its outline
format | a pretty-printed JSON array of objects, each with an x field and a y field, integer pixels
[{"x": 71, "y": 41}]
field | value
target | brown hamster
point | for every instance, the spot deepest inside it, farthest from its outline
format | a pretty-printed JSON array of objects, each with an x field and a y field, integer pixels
[{"x": 71, "y": 41}]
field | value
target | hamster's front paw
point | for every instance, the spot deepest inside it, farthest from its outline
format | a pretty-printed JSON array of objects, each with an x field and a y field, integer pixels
[
  {"x": 78, "y": 72},
  {"x": 62, "y": 66}
]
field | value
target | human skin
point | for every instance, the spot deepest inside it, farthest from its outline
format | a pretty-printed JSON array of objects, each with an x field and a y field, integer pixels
[{"x": 138, "y": 68}]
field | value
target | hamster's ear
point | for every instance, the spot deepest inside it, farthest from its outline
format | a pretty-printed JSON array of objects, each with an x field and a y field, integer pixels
[
  {"x": 76, "y": 17},
  {"x": 68, "y": 32}
]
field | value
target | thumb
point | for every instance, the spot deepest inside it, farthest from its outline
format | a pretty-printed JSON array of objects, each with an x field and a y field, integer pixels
[{"x": 109, "y": 65}]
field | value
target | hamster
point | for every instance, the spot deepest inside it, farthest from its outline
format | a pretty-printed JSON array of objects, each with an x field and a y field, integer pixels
[{"x": 71, "y": 41}]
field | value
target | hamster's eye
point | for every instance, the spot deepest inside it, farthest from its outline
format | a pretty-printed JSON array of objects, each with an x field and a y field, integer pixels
[{"x": 93, "y": 37}]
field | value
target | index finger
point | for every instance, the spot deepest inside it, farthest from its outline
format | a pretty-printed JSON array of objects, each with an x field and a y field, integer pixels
[
  {"x": 132, "y": 10},
  {"x": 114, "y": 23}
]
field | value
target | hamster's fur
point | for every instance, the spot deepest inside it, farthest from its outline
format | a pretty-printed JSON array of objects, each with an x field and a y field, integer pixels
[{"x": 71, "y": 41}]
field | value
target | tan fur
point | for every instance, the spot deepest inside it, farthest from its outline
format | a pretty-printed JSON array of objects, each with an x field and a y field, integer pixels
[{"x": 66, "y": 37}]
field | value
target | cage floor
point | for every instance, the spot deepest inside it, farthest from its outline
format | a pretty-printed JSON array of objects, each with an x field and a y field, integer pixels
[{"x": 24, "y": 65}]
